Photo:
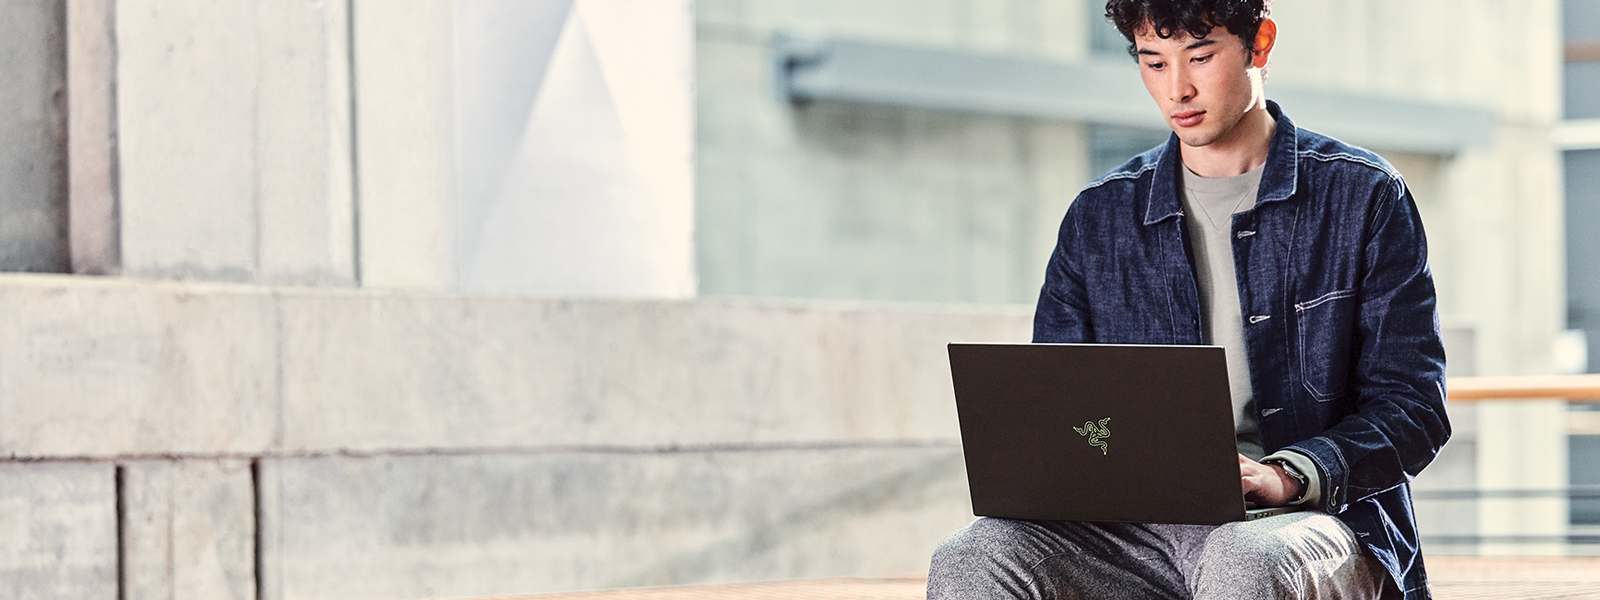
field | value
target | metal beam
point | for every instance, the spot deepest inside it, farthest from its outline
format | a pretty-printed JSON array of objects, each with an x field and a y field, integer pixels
[{"x": 1093, "y": 91}]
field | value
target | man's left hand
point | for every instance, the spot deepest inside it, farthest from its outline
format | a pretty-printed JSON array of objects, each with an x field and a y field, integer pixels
[{"x": 1267, "y": 485}]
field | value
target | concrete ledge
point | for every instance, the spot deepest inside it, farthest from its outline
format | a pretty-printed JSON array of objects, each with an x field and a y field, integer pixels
[
  {"x": 410, "y": 526},
  {"x": 416, "y": 371},
  {"x": 113, "y": 367},
  {"x": 106, "y": 367}
]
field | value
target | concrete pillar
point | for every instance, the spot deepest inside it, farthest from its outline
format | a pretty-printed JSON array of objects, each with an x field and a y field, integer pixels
[
  {"x": 95, "y": 226},
  {"x": 304, "y": 160},
  {"x": 403, "y": 52},
  {"x": 188, "y": 530},
  {"x": 33, "y": 118},
  {"x": 187, "y": 76},
  {"x": 233, "y": 131}
]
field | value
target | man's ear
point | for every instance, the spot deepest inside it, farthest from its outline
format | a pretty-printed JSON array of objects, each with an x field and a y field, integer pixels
[{"x": 1266, "y": 36}]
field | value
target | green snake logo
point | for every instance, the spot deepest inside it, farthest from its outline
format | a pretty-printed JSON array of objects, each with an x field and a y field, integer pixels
[{"x": 1096, "y": 433}]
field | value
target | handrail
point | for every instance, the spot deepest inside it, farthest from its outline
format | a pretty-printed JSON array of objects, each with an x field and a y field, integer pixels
[{"x": 1573, "y": 388}]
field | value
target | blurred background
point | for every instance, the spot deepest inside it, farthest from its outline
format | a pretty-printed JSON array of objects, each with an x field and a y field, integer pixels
[{"x": 425, "y": 298}]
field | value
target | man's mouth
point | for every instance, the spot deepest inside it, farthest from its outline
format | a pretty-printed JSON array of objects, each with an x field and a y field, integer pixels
[{"x": 1188, "y": 118}]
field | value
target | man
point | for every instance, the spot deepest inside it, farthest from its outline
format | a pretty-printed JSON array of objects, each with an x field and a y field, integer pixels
[{"x": 1304, "y": 258}]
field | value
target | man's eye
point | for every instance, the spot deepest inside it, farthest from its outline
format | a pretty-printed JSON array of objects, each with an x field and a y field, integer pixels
[
  {"x": 1201, "y": 59},
  {"x": 1155, "y": 65}
]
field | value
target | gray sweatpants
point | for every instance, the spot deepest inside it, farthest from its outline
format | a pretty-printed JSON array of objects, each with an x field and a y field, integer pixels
[{"x": 1298, "y": 555}]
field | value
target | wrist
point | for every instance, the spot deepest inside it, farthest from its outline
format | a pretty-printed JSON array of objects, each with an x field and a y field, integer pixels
[{"x": 1293, "y": 480}]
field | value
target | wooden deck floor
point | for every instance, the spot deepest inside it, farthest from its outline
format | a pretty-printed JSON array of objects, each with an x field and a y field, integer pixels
[{"x": 1454, "y": 578}]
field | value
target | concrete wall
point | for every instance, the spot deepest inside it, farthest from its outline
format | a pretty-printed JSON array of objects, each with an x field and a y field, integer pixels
[
  {"x": 58, "y": 530},
  {"x": 343, "y": 143},
  {"x": 407, "y": 444},
  {"x": 877, "y": 202},
  {"x": 408, "y": 526}
]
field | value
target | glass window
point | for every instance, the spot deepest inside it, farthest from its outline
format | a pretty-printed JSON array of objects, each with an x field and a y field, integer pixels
[{"x": 1583, "y": 247}]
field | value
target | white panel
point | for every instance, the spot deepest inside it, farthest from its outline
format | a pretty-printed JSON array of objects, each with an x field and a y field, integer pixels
[{"x": 595, "y": 197}]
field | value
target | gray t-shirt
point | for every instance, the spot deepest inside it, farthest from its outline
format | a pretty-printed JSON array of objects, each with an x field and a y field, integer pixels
[{"x": 1209, "y": 204}]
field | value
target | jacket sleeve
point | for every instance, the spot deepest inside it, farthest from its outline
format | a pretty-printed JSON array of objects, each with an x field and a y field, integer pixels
[
  {"x": 1397, "y": 372},
  {"x": 1062, "y": 315}
]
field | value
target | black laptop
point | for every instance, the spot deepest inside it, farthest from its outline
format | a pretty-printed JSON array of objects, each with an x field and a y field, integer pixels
[{"x": 1099, "y": 432}]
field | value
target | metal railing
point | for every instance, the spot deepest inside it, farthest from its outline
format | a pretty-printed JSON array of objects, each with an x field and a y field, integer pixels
[{"x": 1574, "y": 389}]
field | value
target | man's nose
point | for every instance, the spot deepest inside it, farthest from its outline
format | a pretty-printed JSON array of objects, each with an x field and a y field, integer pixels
[{"x": 1181, "y": 87}]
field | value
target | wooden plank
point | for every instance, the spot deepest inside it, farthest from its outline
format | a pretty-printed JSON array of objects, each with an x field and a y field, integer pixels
[{"x": 1573, "y": 388}]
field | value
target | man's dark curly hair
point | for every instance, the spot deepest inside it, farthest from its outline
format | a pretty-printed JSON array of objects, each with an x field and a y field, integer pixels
[{"x": 1193, "y": 17}]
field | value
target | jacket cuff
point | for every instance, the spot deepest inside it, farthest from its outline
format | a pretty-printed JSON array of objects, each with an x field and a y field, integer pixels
[
  {"x": 1331, "y": 469},
  {"x": 1312, "y": 495}
]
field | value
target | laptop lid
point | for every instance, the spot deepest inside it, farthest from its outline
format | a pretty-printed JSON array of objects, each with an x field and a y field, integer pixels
[{"x": 1098, "y": 432}]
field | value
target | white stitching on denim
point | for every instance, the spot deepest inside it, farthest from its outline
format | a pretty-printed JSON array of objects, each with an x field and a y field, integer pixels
[
  {"x": 1344, "y": 466},
  {"x": 1245, "y": 234},
  {"x": 1305, "y": 381},
  {"x": 1300, "y": 308},
  {"x": 1352, "y": 158},
  {"x": 1259, "y": 318},
  {"x": 1324, "y": 299},
  {"x": 1109, "y": 177}
]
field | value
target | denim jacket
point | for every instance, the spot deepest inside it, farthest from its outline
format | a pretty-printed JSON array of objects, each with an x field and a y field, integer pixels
[{"x": 1340, "y": 325}]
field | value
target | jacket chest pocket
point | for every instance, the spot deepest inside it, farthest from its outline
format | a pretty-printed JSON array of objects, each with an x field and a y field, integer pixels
[{"x": 1325, "y": 325}]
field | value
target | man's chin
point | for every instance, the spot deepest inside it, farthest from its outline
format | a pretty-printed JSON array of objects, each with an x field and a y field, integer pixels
[{"x": 1196, "y": 139}]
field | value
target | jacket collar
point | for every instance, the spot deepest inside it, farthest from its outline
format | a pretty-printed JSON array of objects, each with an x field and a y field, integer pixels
[{"x": 1278, "y": 182}]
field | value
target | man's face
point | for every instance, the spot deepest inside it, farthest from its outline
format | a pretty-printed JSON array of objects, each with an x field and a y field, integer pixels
[{"x": 1204, "y": 86}]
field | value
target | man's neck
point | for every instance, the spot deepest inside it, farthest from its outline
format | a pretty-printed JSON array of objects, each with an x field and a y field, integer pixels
[{"x": 1245, "y": 147}]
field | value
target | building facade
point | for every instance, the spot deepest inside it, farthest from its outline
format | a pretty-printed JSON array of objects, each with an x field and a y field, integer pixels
[{"x": 422, "y": 298}]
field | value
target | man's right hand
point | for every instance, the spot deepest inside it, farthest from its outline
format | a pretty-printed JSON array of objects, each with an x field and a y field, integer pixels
[{"x": 1268, "y": 485}]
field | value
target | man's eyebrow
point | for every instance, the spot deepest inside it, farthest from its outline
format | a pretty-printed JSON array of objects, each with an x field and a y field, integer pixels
[{"x": 1200, "y": 43}]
